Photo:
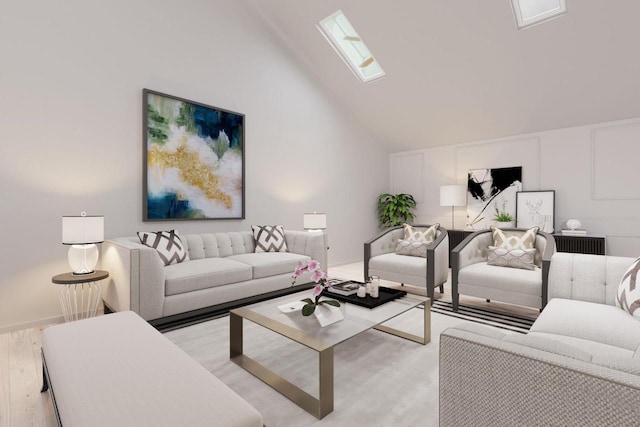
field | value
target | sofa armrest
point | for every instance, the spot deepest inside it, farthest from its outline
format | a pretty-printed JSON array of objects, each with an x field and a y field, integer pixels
[
  {"x": 489, "y": 381},
  {"x": 312, "y": 244},
  {"x": 136, "y": 278},
  {"x": 547, "y": 254}
]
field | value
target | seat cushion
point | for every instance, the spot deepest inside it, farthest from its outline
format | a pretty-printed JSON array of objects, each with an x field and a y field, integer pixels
[
  {"x": 505, "y": 279},
  {"x": 601, "y": 323},
  {"x": 267, "y": 264},
  {"x": 402, "y": 264},
  {"x": 204, "y": 273}
]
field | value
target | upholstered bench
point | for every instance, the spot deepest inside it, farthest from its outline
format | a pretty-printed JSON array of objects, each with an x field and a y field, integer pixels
[{"x": 117, "y": 370}]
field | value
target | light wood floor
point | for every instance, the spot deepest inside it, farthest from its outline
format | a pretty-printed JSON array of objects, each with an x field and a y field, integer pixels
[{"x": 22, "y": 404}]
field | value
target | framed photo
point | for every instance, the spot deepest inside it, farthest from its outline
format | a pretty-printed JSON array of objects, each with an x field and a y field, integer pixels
[
  {"x": 536, "y": 209},
  {"x": 193, "y": 160}
]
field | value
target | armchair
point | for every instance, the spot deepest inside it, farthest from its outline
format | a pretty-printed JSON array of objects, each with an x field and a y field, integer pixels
[
  {"x": 471, "y": 275},
  {"x": 380, "y": 259}
]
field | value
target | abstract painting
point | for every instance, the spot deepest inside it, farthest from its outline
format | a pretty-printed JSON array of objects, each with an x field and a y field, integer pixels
[
  {"x": 536, "y": 209},
  {"x": 490, "y": 191},
  {"x": 193, "y": 160}
]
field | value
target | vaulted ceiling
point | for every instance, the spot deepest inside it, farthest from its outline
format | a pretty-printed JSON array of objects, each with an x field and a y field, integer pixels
[{"x": 459, "y": 70}]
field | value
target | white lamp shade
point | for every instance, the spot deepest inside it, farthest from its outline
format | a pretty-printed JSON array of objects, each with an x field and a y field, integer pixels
[
  {"x": 80, "y": 230},
  {"x": 315, "y": 221},
  {"x": 453, "y": 195}
]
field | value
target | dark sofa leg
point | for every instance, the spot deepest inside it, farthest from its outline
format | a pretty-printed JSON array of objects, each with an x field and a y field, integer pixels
[
  {"x": 442, "y": 289},
  {"x": 45, "y": 383},
  {"x": 488, "y": 300}
]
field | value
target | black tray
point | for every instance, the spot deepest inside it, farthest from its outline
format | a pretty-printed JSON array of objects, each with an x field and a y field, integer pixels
[{"x": 385, "y": 295}]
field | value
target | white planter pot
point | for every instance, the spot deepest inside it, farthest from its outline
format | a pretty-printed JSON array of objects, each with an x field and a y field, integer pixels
[
  {"x": 327, "y": 314},
  {"x": 511, "y": 224}
]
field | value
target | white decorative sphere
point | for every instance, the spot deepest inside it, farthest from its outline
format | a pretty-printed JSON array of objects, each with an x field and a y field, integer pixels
[{"x": 573, "y": 224}]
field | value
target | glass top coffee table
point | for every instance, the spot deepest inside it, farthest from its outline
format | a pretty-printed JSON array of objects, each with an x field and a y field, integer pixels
[{"x": 307, "y": 331}]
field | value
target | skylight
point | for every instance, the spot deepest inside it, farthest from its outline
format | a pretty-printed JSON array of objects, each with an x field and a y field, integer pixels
[
  {"x": 532, "y": 12},
  {"x": 349, "y": 45}
]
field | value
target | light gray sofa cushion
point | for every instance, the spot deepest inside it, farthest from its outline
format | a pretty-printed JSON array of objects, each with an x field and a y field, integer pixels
[
  {"x": 592, "y": 347},
  {"x": 550, "y": 345},
  {"x": 482, "y": 274},
  {"x": 204, "y": 273},
  {"x": 117, "y": 370},
  {"x": 210, "y": 245},
  {"x": 601, "y": 323},
  {"x": 266, "y": 264}
]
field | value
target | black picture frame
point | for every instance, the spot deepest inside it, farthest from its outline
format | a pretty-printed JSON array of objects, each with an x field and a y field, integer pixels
[
  {"x": 193, "y": 160},
  {"x": 536, "y": 209}
]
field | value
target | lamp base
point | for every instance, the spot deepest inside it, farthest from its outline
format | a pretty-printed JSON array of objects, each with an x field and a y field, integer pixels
[{"x": 83, "y": 258}]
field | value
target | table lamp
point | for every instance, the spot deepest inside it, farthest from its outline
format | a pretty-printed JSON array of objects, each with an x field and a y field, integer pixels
[
  {"x": 453, "y": 195},
  {"x": 315, "y": 221},
  {"x": 82, "y": 233}
]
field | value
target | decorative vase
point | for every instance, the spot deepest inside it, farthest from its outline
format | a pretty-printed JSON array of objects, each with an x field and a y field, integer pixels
[
  {"x": 327, "y": 314},
  {"x": 510, "y": 224}
]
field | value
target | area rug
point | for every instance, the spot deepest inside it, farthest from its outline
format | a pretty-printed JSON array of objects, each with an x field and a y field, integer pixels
[
  {"x": 380, "y": 379},
  {"x": 487, "y": 317}
]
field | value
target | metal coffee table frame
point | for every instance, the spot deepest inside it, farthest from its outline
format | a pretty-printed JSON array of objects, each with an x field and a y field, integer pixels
[{"x": 323, "y": 405}]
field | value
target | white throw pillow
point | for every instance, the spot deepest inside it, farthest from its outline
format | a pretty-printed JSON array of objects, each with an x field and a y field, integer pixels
[
  {"x": 167, "y": 244},
  {"x": 411, "y": 248},
  {"x": 515, "y": 258},
  {"x": 628, "y": 297},
  {"x": 269, "y": 238}
]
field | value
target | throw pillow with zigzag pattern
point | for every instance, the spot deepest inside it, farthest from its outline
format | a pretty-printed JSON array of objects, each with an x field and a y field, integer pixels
[
  {"x": 167, "y": 244},
  {"x": 269, "y": 238}
]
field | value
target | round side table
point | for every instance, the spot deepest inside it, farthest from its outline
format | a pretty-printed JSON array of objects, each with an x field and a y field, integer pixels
[{"x": 80, "y": 294}]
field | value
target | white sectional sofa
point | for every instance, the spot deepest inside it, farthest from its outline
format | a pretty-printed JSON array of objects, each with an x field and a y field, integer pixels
[
  {"x": 578, "y": 366},
  {"x": 222, "y": 269}
]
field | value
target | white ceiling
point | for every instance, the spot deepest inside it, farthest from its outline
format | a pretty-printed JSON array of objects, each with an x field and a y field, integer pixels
[{"x": 459, "y": 70}]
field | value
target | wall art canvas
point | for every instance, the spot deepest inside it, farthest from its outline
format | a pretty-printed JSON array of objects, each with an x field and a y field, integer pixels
[
  {"x": 536, "y": 209},
  {"x": 193, "y": 160},
  {"x": 490, "y": 191}
]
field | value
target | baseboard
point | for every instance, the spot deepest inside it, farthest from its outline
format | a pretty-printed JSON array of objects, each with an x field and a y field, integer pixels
[{"x": 32, "y": 324}]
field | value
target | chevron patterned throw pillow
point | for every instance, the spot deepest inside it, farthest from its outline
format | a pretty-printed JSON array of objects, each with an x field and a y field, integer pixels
[
  {"x": 269, "y": 238},
  {"x": 425, "y": 235},
  {"x": 167, "y": 244},
  {"x": 515, "y": 239},
  {"x": 628, "y": 297}
]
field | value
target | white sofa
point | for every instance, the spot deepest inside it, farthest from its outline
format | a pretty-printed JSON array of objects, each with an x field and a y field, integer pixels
[
  {"x": 222, "y": 269},
  {"x": 578, "y": 366}
]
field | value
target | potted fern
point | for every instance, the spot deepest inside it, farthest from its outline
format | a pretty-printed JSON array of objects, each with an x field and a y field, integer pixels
[
  {"x": 504, "y": 220},
  {"x": 395, "y": 209}
]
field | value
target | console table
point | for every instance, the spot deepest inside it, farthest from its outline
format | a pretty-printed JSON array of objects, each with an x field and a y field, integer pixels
[{"x": 589, "y": 244}]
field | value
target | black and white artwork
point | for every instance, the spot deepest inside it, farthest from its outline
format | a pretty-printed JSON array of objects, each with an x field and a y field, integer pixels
[
  {"x": 490, "y": 192},
  {"x": 536, "y": 209}
]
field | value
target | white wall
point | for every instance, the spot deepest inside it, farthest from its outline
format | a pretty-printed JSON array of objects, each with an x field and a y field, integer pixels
[
  {"x": 71, "y": 85},
  {"x": 593, "y": 170}
]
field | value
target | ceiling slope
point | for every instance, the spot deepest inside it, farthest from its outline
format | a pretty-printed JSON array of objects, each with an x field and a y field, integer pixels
[{"x": 459, "y": 71}]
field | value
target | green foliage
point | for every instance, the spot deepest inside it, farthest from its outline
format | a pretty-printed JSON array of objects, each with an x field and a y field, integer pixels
[
  {"x": 395, "y": 209},
  {"x": 330, "y": 302},
  {"x": 158, "y": 126},
  {"x": 503, "y": 217},
  {"x": 308, "y": 309}
]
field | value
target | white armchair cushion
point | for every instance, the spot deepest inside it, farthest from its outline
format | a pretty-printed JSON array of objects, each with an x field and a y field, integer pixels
[
  {"x": 401, "y": 264},
  {"x": 511, "y": 280},
  {"x": 514, "y": 258},
  {"x": 628, "y": 297}
]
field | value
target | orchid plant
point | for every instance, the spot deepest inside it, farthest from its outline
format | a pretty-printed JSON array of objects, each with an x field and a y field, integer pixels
[{"x": 320, "y": 279}]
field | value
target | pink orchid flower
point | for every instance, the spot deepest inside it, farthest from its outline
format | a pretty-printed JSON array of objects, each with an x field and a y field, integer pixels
[
  {"x": 318, "y": 275},
  {"x": 317, "y": 290},
  {"x": 313, "y": 265}
]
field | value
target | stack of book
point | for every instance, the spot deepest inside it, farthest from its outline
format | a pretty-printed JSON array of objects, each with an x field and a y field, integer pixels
[
  {"x": 342, "y": 287},
  {"x": 565, "y": 232}
]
